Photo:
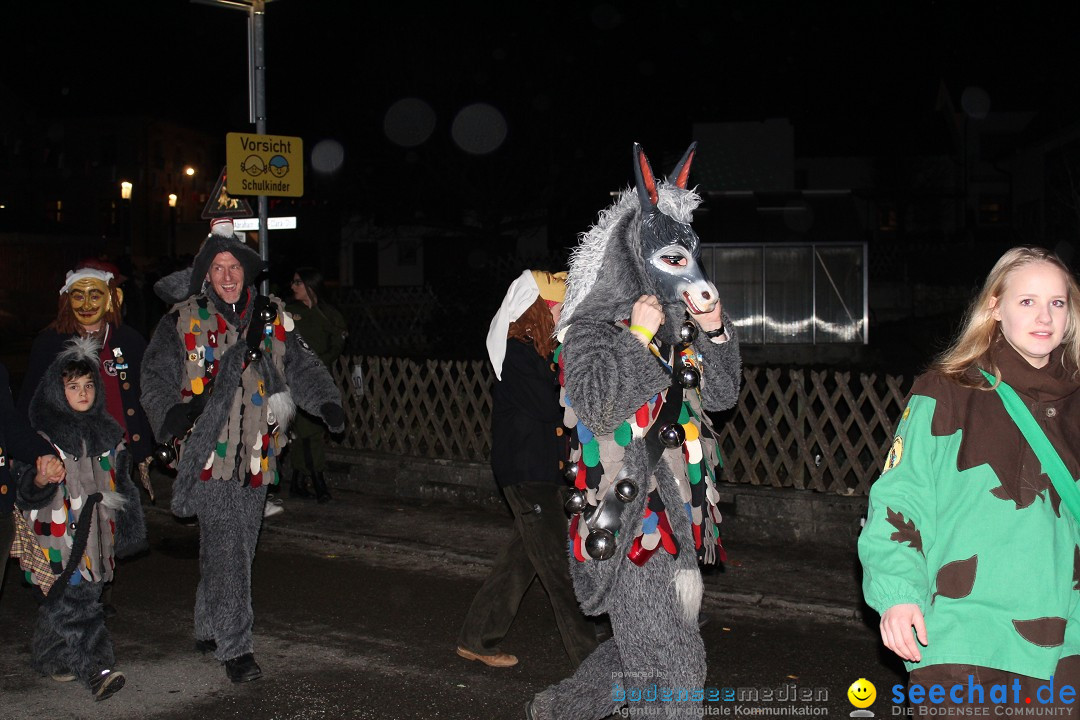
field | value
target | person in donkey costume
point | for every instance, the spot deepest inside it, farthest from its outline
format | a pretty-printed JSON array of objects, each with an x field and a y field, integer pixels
[
  {"x": 970, "y": 552},
  {"x": 222, "y": 375},
  {"x": 646, "y": 351},
  {"x": 76, "y": 526}
]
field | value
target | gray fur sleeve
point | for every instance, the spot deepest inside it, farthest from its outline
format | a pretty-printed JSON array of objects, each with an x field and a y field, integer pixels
[
  {"x": 161, "y": 373},
  {"x": 130, "y": 522},
  {"x": 29, "y": 496},
  {"x": 609, "y": 374},
  {"x": 722, "y": 370},
  {"x": 310, "y": 383}
]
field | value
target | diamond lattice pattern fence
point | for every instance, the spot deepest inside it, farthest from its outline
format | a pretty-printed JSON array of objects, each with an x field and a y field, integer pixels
[{"x": 827, "y": 431}]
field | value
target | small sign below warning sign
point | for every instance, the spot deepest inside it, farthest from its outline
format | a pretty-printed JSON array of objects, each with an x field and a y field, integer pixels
[
  {"x": 222, "y": 204},
  {"x": 265, "y": 164}
]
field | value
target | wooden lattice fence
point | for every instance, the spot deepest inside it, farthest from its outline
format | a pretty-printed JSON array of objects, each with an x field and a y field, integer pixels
[{"x": 827, "y": 431}]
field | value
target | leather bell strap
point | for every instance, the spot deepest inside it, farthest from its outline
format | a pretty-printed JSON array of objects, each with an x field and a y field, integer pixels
[{"x": 1052, "y": 463}]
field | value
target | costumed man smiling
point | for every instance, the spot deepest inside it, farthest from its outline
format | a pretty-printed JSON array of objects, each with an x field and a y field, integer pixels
[{"x": 223, "y": 374}]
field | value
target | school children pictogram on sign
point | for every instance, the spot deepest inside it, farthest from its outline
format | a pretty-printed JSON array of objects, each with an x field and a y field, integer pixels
[{"x": 222, "y": 204}]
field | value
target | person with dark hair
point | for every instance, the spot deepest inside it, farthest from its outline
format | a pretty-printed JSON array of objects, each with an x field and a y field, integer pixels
[
  {"x": 89, "y": 306},
  {"x": 79, "y": 524},
  {"x": 18, "y": 442},
  {"x": 223, "y": 375},
  {"x": 528, "y": 442},
  {"x": 324, "y": 330}
]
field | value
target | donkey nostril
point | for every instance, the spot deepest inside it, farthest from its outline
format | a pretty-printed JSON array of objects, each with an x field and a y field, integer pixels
[{"x": 705, "y": 295}]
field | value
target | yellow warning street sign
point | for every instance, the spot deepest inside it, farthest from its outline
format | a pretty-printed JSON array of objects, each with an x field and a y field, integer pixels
[
  {"x": 264, "y": 164},
  {"x": 221, "y": 204}
]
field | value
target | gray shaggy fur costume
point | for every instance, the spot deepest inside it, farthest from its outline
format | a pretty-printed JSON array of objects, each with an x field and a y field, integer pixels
[
  {"x": 70, "y": 634},
  {"x": 230, "y": 509},
  {"x": 609, "y": 374}
]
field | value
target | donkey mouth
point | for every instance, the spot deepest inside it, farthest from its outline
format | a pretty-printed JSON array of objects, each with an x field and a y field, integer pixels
[{"x": 690, "y": 304}]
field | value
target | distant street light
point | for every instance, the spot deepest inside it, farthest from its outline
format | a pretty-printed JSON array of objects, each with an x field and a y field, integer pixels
[
  {"x": 189, "y": 171},
  {"x": 125, "y": 215},
  {"x": 172, "y": 224}
]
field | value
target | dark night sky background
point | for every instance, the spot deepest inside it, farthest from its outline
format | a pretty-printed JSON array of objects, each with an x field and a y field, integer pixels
[{"x": 577, "y": 82}]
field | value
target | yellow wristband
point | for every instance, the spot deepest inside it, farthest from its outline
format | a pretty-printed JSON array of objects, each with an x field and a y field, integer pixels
[{"x": 644, "y": 331}]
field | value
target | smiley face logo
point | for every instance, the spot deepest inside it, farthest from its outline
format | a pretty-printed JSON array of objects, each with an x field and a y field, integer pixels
[
  {"x": 862, "y": 693},
  {"x": 253, "y": 165},
  {"x": 278, "y": 166}
]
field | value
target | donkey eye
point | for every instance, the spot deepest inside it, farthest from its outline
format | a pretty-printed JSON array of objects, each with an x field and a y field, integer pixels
[{"x": 675, "y": 260}]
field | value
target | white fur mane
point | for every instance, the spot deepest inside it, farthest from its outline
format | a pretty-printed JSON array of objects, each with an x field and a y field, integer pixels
[{"x": 587, "y": 259}]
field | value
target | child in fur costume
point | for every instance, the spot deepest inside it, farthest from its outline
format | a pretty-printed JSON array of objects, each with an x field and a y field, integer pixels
[{"x": 80, "y": 523}]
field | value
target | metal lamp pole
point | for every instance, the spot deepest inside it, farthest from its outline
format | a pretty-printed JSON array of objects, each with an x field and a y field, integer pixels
[{"x": 256, "y": 10}]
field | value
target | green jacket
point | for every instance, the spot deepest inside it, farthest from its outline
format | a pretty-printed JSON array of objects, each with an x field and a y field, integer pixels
[
  {"x": 964, "y": 523},
  {"x": 323, "y": 328}
]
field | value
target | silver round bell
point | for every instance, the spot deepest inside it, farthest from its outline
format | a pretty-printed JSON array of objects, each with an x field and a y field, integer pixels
[
  {"x": 267, "y": 314},
  {"x": 600, "y": 544},
  {"x": 688, "y": 332},
  {"x": 625, "y": 490},
  {"x": 570, "y": 472},
  {"x": 672, "y": 435},
  {"x": 253, "y": 355},
  {"x": 576, "y": 503},
  {"x": 688, "y": 377}
]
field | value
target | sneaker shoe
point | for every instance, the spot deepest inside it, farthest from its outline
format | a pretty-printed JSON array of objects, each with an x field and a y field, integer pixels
[
  {"x": 106, "y": 684},
  {"x": 272, "y": 509}
]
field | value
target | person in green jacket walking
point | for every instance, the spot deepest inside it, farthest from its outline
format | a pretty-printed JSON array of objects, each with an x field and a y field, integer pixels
[
  {"x": 324, "y": 330},
  {"x": 968, "y": 553}
]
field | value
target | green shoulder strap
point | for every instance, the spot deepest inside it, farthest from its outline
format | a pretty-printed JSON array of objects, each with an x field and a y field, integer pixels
[{"x": 1044, "y": 450}]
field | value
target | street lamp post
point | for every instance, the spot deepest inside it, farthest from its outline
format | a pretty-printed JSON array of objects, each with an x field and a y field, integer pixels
[
  {"x": 172, "y": 224},
  {"x": 125, "y": 215},
  {"x": 256, "y": 10}
]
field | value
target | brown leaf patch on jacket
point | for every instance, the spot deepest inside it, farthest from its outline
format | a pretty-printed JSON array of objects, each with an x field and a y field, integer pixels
[
  {"x": 1044, "y": 632},
  {"x": 906, "y": 532},
  {"x": 989, "y": 434},
  {"x": 955, "y": 579}
]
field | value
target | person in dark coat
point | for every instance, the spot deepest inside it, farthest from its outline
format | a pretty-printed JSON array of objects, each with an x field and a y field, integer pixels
[
  {"x": 18, "y": 442},
  {"x": 324, "y": 330},
  {"x": 528, "y": 443}
]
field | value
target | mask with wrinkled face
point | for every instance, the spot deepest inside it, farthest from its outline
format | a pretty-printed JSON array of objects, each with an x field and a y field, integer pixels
[{"x": 90, "y": 300}]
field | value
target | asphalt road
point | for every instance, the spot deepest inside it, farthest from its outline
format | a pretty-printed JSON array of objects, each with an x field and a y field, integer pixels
[{"x": 350, "y": 629}]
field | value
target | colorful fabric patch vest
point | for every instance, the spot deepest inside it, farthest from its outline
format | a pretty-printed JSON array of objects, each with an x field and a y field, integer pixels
[
  {"x": 250, "y": 441},
  {"x": 599, "y": 459}
]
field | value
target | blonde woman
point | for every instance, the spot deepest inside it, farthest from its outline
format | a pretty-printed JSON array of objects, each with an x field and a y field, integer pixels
[{"x": 968, "y": 553}]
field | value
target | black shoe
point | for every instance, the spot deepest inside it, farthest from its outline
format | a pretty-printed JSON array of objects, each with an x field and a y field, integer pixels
[
  {"x": 322, "y": 493},
  {"x": 206, "y": 646},
  {"x": 243, "y": 669},
  {"x": 106, "y": 683}
]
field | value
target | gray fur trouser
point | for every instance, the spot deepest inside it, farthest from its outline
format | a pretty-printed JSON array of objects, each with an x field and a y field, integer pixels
[
  {"x": 654, "y": 646},
  {"x": 70, "y": 635},
  {"x": 230, "y": 517}
]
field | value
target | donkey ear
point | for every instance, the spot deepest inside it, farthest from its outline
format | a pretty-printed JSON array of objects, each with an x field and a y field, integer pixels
[
  {"x": 646, "y": 181},
  {"x": 681, "y": 173}
]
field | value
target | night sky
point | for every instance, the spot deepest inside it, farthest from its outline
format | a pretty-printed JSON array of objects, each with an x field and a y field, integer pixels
[{"x": 566, "y": 86}]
